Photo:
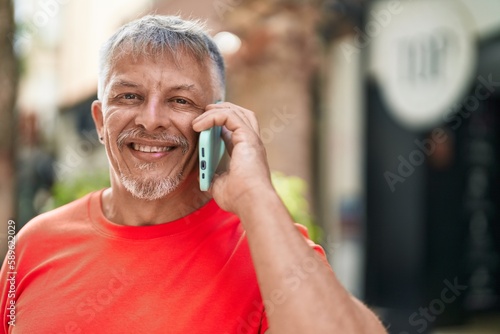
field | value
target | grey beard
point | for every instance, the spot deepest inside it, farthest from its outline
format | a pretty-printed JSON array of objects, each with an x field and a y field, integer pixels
[{"x": 151, "y": 189}]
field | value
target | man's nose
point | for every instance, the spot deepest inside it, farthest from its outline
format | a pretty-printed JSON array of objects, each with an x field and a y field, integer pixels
[{"x": 153, "y": 115}]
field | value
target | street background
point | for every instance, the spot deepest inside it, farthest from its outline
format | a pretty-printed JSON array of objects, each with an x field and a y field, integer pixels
[{"x": 380, "y": 119}]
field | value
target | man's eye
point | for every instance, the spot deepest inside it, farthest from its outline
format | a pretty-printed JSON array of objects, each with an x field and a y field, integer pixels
[
  {"x": 181, "y": 101},
  {"x": 129, "y": 96},
  {"x": 182, "y": 105}
]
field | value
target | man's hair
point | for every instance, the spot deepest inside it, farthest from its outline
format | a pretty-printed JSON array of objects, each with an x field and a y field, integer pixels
[{"x": 156, "y": 36}]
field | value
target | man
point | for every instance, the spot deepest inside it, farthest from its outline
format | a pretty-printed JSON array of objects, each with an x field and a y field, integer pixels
[{"x": 154, "y": 254}]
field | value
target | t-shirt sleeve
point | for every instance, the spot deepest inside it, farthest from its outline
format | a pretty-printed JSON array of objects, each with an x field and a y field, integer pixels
[
  {"x": 303, "y": 230},
  {"x": 317, "y": 248}
]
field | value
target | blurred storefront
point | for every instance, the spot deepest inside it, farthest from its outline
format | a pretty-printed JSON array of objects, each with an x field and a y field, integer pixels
[{"x": 413, "y": 90}]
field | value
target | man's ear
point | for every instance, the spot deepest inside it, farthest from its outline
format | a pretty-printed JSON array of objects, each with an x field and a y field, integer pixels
[{"x": 98, "y": 119}]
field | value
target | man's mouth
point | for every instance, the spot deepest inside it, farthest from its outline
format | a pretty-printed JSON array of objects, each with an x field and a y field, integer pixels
[
  {"x": 158, "y": 143},
  {"x": 151, "y": 149}
]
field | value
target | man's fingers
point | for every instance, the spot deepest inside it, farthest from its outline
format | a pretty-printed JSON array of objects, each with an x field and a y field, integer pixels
[
  {"x": 248, "y": 116},
  {"x": 226, "y": 136},
  {"x": 226, "y": 114}
]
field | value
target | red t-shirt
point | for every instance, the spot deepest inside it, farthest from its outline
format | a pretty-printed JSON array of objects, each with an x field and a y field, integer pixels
[{"x": 77, "y": 272}]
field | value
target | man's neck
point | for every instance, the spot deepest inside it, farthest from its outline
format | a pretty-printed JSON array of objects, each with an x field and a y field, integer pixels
[{"x": 120, "y": 207}]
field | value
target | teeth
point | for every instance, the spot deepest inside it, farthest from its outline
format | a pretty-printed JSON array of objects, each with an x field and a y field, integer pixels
[{"x": 151, "y": 149}]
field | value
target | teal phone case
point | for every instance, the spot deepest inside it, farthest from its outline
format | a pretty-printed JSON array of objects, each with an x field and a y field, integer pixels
[{"x": 210, "y": 149}]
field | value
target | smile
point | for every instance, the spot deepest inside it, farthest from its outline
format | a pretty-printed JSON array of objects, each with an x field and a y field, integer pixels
[{"x": 151, "y": 149}]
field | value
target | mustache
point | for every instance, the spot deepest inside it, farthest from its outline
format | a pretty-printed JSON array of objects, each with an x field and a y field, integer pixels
[{"x": 139, "y": 133}]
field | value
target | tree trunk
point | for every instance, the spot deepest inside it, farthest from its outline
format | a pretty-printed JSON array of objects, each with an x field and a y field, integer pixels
[{"x": 8, "y": 85}]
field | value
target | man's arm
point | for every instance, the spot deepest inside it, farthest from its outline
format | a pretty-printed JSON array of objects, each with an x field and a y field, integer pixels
[
  {"x": 310, "y": 296},
  {"x": 306, "y": 295}
]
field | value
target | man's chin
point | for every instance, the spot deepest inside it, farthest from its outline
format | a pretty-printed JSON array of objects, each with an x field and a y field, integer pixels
[{"x": 151, "y": 190}]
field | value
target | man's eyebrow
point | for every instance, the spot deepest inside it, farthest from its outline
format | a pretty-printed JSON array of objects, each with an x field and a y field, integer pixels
[
  {"x": 188, "y": 87},
  {"x": 123, "y": 83}
]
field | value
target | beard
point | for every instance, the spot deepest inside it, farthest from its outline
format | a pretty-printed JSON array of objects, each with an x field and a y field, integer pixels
[{"x": 151, "y": 188}]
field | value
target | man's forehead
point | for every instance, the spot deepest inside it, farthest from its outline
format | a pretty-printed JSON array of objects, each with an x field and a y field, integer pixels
[
  {"x": 186, "y": 74},
  {"x": 179, "y": 57}
]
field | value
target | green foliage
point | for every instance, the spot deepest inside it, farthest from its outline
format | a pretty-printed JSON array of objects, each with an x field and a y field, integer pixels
[
  {"x": 292, "y": 190},
  {"x": 67, "y": 191}
]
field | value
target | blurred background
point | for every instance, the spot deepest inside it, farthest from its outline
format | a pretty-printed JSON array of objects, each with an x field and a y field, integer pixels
[{"x": 380, "y": 119}]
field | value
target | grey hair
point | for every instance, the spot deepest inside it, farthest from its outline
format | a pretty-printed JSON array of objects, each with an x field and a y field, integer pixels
[{"x": 155, "y": 35}]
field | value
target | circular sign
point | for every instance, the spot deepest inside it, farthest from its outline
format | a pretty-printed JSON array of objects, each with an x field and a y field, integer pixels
[{"x": 423, "y": 59}]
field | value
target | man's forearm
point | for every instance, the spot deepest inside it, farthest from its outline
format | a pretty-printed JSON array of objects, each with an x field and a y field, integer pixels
[{"x": 301, "y": 292}]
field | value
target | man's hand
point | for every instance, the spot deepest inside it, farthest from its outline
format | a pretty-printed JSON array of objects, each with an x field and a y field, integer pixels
[{"x": 248, "y": 172}]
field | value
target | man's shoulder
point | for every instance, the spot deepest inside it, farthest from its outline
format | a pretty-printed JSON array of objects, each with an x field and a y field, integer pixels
[{"x": 55, "y": 220}]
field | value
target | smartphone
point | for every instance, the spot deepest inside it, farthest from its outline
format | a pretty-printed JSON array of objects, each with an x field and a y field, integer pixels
[{"x": 210, "y": 150}]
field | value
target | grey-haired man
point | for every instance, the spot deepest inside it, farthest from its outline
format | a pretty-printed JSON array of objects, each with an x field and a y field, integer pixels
[{"x": 154, "y": 254}]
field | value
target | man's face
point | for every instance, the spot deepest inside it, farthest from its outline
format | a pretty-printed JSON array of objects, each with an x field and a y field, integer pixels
[{"x": 147, "y": 110}]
